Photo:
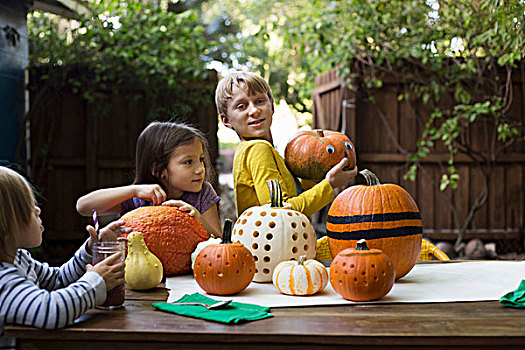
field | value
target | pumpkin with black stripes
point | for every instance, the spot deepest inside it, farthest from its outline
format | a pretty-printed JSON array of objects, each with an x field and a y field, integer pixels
[{"x": 383, "y": 214}]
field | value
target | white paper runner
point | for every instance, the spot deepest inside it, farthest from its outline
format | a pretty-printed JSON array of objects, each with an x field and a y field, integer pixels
[{"x": 426, "y": 283}]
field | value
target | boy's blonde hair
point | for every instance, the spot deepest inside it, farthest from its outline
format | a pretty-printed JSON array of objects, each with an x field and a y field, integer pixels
[
  {"x": 17, "y": 206},
  {"x": 254, "y": 82}
]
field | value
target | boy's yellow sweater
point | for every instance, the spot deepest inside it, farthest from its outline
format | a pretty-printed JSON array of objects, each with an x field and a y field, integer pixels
[{"x": 257, "y": 161}]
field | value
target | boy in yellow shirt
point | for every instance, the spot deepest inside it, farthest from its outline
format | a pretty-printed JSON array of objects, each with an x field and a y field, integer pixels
[{"x": 245, "y": 104}]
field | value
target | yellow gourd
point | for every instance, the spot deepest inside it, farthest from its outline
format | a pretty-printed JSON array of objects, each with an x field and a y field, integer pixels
[{"x": 143, "y": 269}]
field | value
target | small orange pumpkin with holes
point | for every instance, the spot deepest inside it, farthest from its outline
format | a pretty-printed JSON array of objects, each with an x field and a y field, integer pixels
[
  {"x": 362, "y": 274},
  {"x": 226, "y": 268}
]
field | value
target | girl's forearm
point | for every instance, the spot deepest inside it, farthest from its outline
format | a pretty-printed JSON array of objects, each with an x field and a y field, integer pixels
[{"x": 105, "y": 201}]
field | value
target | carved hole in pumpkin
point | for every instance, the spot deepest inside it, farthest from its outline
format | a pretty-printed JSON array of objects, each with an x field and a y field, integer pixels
[
  {"x": 373, "y": 266},
  {"x": 205, "y": 256},
  {"x": 255, "y": 246},
  {"x": 234, "y": 255},
  {"x": 296, "y": 213},
  {"x": 343, "y": 264},
  {"x": 237, "y": 271},
  {"x": 257, "y": 223},
  {"x": 294, "y": 225},
  {"x": 244, "y": 221},
  {"x": 220, "y": 274},
  {"x": 249, "y": 213},
  {"x": 305, "y": 235},
  {"x": 266, "y": 259},
  {"x": 384, "y": 273},
  {"x": 266, "y": 271},
  {"x": 295, "y": 236},
  {"x": 365, "y": 283},
  {"x": 305, "y": 247},
  {"x": 209, "y": 264},
  {"x": 267, "y": 247},
  {"x": 273, "y": 214},
  {"x": 304, "y": 224},
  {"x": 218, "y": 256},
  {"x": 255, "y": 233},
  {"x": 263, "y": 213},
  {"x": 271, "y": 224},
  {"x": 363, "y": 273},
  {"x": 340, "y": 282},
  {"x": 241, "y": 232},
  {"x": 289, "y": 213},
  {"x": 294, "y": 250},
  {"x": 355, "y": 279},
  {"x": 269, "y": 236},
  {"x": 227, "y": 263},
  {"x": 256, "y": 271},
  {"x": 375, "y": 278},
  {"x": 204, "y": 274},
  {"x": 238, "y": 220},
  {"x": 352, "y": 266},
  {"x": 254, "y": 258}
]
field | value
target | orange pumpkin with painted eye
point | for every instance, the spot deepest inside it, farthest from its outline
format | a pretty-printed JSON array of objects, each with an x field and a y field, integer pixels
[{"x": 311, "y": 154}]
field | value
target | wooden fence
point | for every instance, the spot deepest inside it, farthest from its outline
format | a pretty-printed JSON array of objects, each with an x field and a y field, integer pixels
[
  {"x": 75, "y": 150},
  {"x": 380, "y": 133}
]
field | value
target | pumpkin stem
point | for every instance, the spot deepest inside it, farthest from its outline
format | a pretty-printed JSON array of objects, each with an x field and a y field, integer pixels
[
  {"x": 320, "y": 133},
  {"x": 361, "y": 245},
  {"x": 227, "y": 232},
  {"x": 370, "y": 177},
  {"x": 276, "y": 195},
  {"x": 302, "y": 259}
]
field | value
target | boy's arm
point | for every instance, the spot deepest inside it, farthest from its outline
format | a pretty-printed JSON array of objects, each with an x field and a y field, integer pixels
[
  {"x": 263, "y": 166},
  {"x": 25, "y": 303}
]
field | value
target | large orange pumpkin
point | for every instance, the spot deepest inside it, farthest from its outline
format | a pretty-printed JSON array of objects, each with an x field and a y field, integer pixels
[
  {"x": 383, "y": 214},
  {"x": 170, "y": 234},
  {"x": 310, "y": 154}
]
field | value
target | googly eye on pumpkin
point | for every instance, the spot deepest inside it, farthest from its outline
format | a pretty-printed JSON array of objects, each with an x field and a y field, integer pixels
[
  {"x": 330, "y": 149},
  {"x": 348, "y": 146}
]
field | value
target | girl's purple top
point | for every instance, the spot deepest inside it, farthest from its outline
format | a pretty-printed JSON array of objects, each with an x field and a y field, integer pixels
[{"x": 201, "y": 200}]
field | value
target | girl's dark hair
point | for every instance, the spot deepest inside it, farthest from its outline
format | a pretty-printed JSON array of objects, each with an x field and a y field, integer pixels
[{"x": 156, "y": 144}]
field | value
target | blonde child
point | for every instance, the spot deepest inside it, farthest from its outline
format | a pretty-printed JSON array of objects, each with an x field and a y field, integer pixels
[
  {"x": 31, "y": 292},
  {"x": 171, "y": 166},
  {"x": 245, "y": 104}
]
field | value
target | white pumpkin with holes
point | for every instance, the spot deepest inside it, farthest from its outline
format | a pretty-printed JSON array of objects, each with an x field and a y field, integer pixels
[
  {"x": 303, "y": 277},
  {"x": 274, "y": 233}
]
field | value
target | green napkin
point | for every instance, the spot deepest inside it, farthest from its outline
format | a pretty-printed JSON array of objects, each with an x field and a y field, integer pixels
[
  {"x": 515, "y": 298},
  {"x": 231, "y": 313}
]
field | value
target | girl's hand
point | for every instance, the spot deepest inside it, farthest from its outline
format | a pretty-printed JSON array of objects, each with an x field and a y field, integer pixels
[
  {"x": 109, "y": 233},
  {"x": 152, "y": 193},
  {"x": 111, "y": 270},
  {"x": 185, "y": 207},
  {"x": 339, "y": 178}
]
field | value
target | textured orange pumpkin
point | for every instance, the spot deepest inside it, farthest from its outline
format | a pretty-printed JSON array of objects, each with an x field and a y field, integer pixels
[
  {"x": 385, "y": 215},
  {"x": 170, "y": 234},
  {"x": 362, "y": 274},
  {"x": 225, "y": 268},
  {"x": 310, "y": 154}
]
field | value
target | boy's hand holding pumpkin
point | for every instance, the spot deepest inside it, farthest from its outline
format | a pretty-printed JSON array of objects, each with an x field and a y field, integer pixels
[{"x": 339, "y": 178}]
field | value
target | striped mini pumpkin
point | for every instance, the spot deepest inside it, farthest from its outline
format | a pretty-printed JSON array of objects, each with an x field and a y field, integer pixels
[
  {"x": 303, "y": 277},
  {"x": 383, "y": 214}
]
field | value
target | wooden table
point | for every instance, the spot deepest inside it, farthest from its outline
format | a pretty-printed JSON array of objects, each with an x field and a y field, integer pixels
[{"x": 475, "y": 325}]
